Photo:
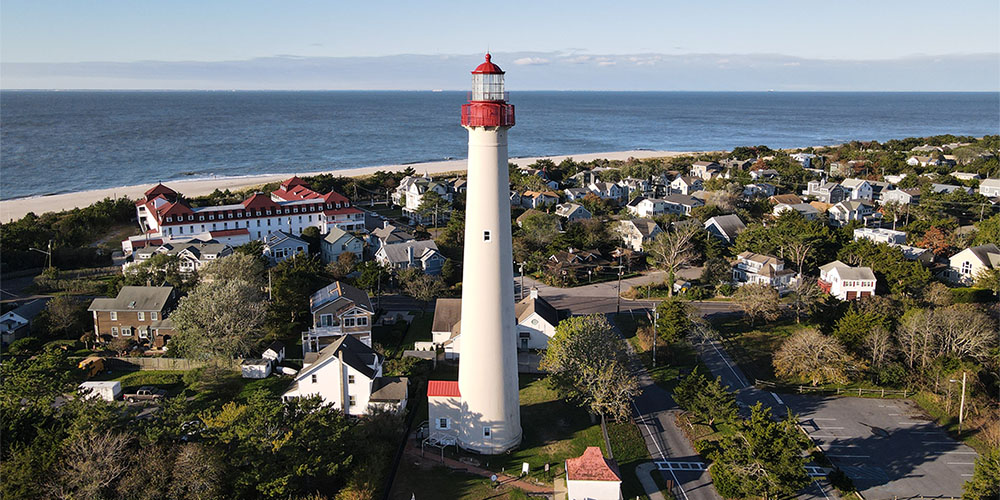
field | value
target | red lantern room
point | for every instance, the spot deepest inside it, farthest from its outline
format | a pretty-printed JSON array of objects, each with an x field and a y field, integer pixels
[{"x": 487, "y": 105}]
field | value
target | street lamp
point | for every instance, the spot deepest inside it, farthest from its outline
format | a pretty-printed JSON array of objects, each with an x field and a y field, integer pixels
[
  {"x": 48, "y": 253},
  {"x": 961, "y": 405},
  {"x": 521, "y": 271}
]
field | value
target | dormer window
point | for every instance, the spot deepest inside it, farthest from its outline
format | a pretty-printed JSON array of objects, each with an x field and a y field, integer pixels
[
  {"x": 258, "y": 213},
  {"x": 296, "y": 210},
  {"x": 268, "y": 212},
  {"x": 329, "y": 205},
  {"x": 190, "y": 217},
  {"x": 211, "y": 217},
  {"x": 169, "y": 219}
]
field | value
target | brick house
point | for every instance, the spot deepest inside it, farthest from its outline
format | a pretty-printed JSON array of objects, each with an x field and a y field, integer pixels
[{"x": 138, "y": 312}]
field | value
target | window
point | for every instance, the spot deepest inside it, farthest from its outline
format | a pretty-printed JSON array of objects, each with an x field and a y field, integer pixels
[
  {"x": 126, "y": 331},
  {"x": 143, "y": 333},
  {"x": 486, "y": 432},
  {"x": 443, "y": 423},
  {"x": 191, "y": 217},
  {"x": 348, "y": 321},
  {"x": 350, "y": 379},
  {"x": 313, "y": 379},
  {"x": 258, "y": 222},
  {"x": 296, "y": 210},
  {"x": 169, "y": 219},
  {"x": 350, "y": 400},
  {"x": 966, "y": 268},
  {"x": 203, "y": 228},
  {"x": 211, "y": 217},
  {"x": 325, "y": 319},
  {"x": 141, "y": 315},
  {"x": 153, "y": 316},
  {"x": 363, "y": 321},
  {"x": 114, "y": 331},
  {"x": 486, "y": 236}
]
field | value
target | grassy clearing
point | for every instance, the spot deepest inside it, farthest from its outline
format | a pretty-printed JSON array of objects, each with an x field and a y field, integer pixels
[
  {"x": 753, "y": 347},
  {"x": 431, "y": 482},
  {"x": 171, "y": 380},
  {"x": 400, "y": 336},
  {"x": 630, "y": 451}
]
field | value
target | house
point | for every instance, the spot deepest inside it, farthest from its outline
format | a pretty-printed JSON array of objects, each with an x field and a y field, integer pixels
[
  {"x": 575, "y": 263},
  {"x": 808, "y": 211},
  {"x": 636, "y": 233},
  {"x": 191, "y": 255},
  {"x": 908, "y": 196},
  {"x": 966, "y": 176},
  {"x": 725, "y": 227},
  {"x": 894, "y": 179},
  {"x": 949, "y": 188},
  {"x": 758, "y": 268},
  {"x": 922, "y": 161},
  {"x": 338, "y": 242},
  {"x": 348, "y": 375},
  {"x": 737, "y": 164},
  {"x": 646, "y": 207},
  {"x": 572, "y": 212},
  {"x": 515, "y": 199},
  {"x": 632, "y": 185},
  {"x": 275, "y": 352},
  {"x": 827, "y": 192},
  {"x": 926, "y": 148},
  {"x": 536, "y": 324},
  {"x": 388, "y": 234},
  {"x": 255, "y": 368},
  {"x": 338, "y": 309},
  {"x": 423, "y": 255},
  {"x": 138, "y": 312},
  {"x": 804, "y": 159},
  {"x": 787, "y": 199},
  {"x": 965, "y": 265},
  {"x": 16, "y": 323},
  {"x": 680, "y": 204},
  {"x": 593, "y": 477},
  {"x": 576, "y": 194},
  {"x": 538, "y": 199},
  {"x": 856, "y": 189},
  {"x": 763, "y": 174},
  {"x": 686, "y": 185},
  {"x": 846, "y": 211},
  {"x": 444, "y": 412},
  {"x": 845, "y": 282},
  {"x": 607, "y": 190},
  {"x": 759, "y": 190},
  {"x": 990, "y": 188},
  {"x": 410, "y": 194},
  {"x": 879, "y": 235},
  {"x": 280, "y": 246},
  {"x": 705, "y": 170}
]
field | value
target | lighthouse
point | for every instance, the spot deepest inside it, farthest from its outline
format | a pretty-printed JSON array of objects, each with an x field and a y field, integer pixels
[{"x": 481, "y": 412}]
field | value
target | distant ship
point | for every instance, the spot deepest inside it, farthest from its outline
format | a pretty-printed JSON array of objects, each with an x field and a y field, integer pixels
[{"x": 437, "y": 90}]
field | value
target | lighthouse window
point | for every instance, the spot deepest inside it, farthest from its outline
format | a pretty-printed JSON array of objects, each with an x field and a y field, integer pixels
[
  {"x": 486, "y": 236},
  {"x": 486, "y": 432},
  {"x": 443, "y": 423}
]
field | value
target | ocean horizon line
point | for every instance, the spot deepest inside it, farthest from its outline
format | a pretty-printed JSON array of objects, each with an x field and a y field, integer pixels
[{"x": 565, "y": 91}]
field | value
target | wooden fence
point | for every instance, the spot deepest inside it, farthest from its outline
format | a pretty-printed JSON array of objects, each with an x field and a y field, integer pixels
[
  {"x": 138, "y": 363},
  {"x": 838, "y": 391}
]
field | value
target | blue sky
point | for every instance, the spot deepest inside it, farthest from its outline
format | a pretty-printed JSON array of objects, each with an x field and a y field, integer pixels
[{"x": 60, "y": 32}]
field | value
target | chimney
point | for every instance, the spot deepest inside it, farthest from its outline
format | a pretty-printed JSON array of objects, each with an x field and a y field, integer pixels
[
  {"x": 534, "y": 293},
  {"x": 409, "y": 254},
  {"x": 345, "y": 400},
  {"x": 385, "y": 223}
]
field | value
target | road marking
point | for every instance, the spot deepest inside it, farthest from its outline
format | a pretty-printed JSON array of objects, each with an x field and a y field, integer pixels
[
  {"x": 966, "y": 475},
  {"x": 776, "y": 398},
  {"x": 911, "y": 422},
  {"x": 926, "y": 432},
  {"x": 940, "y": 442},
  {"x": 895, "y": 414},
  {"x": 961, "y": 452},
  {"x": 821, "y": 490},
  {"x": 832, "y": 428},
  {"x": 656, "y": 442},
  {"x": 819, "y": 436},
  {"x": 842, "y": 445},
  {"x": 738, "y": 378},
  {"x": 961, "y": 463}
]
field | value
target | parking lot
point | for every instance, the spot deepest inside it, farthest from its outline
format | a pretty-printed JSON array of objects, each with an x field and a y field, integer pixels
[{"x": 887, "y": 448}]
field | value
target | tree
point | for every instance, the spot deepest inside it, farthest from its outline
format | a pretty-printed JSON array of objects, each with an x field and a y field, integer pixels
[
  {"x": 238, "y": 266},
  {"x": 673, "y": 249},
  {"x": 716, "y": 270},
  {"x": 763, "y": 458},
  {"x": 421, "y": 286},
  {"x": 878, "y": 344},
  {"x": 758, "y": 300},
  {"x": 198, "y": 472},
  {"x": 985, "y": 481},
  {"x": 370, "y": 275},
  {"x": 938, "y": 294},
  {"x": 989, "y": 279},
  {"x": 65, "y": 315},
  {"x": 293, "y": 281},
  {"x": 673, "y": 321},
  {"x": 805, "y": 296},
  {"x": 915, "y": 337},
  {"x": 988, "y": 231},
  {"x": 893, "y": 210},
  {"x": 707, "y": 399},
  {"x": 432, "y": 203},
  {"x": 812, "y": 356},
  {"x": 963, "y": 331},
  {"x": 587, "y": 362},
  {"x": 93, "y": 462},
  {"x": 939, "y": 241},
  {"x": 343, "y": 266},
  {"x": 219, "y": 320},
  {"x": 312, "y": 236},
  {"x": 855, "y": 325}
]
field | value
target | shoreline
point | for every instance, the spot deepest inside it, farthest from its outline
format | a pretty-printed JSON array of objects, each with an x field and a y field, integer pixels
[{"x": 17, "y": 208}]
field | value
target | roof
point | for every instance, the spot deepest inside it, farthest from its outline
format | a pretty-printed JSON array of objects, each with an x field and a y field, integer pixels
[
  {"x": 389, "y": 389},
  {"x": 788, "y": 199},
  {"x": 528, "y": 213},
  {"x": 31, "y": 308},
  {"x": 277, "y": 237},
  {"x": 527, "y": 306},
  {"x": 356, "y": 355},
  {"x": 447, "y": 312},
  {"x": 159, "y": 189},
  {"x": 990, "y": 183},
  {"x": 682, "y": 199},
  {"x": 339, "y": 290},
  {"x": 488, "y": 67},
  {"x": 853, "y": 183},
  {"x": 397, "y": 252},
  {"x": 391, "y": 234},
  {"x": 275, "y": 346},
  {"x": 443, "y": 389},
  {"x": 592, "y": 466},
  {"x": 988, "y": 254},
  {"x": 646, "y": 227},
  {"x": 730, "y": 225},
  {"x": 847, "y": 272},
  {"x": 760, "y": 258},
  {"x": 135, "y": 298},
  {"x": 567, "y": 209},
  {"x": 335, "y": 234}
]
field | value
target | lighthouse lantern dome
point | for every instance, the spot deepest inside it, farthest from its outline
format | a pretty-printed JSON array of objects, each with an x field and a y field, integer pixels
[{"x": 487, "y": 82}]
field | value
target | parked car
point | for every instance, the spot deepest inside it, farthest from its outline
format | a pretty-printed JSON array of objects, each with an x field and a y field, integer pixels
[{"x": 146, "y": 393}]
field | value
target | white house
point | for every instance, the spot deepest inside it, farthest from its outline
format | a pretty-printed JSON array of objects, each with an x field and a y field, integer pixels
[
  {"x": 680, "y": 204},
  {"x": 922, "y": 161},
  {"x": 16, "y": 323},
  {"x": 536, "y": 324},
  {"x": 804, "y": 159},
  {"x": 275, "y": 352},
  {"x": 348, "y": 375},
  {"x": 536, "y": 199},
  {"x": 966, "y": 176},
  {"x": 759, "y": 189},
  {"x": 990, "y": 188},
  {"x": 684, "y": 184},
  {"x": 902, "y": 196},
  {"x": 572, "y": 212},
  {"x": 423, "y": 255},
  {"x": 607, "y": 190},
  {"x": 808, "y": 211},
  {"x": 410, "y": 194},
  {"x": 846, "y": 211},
  {"x": 880, "y": 235},
  {"x": 949, "y": 188},
  {"x": 593, "y": 477},
  {"x": 758, "y": 268},
  {"x": 964, "y": 265},
  {"x": 646, "y": 207},
  {"x": 280, "y": 246},
  {"x": 894, "y": 179},
  {"x": 632, "y": 185},
  {"x": 857, "y": 189},
  {"x": 706, "y": 170},
  {"x": 192, "y": 255},
  {"x": 725, "y": 227},
  {"x": 388, "y": 234},
  {"x": 763, "y": 174},
  {"x": 827, "y": 192},
  {"x": 636, "y": 233},
  {"x": 255, "y": 368},
  {"x": 845, "y": 282},
  {"x": 337, "y": 242}
]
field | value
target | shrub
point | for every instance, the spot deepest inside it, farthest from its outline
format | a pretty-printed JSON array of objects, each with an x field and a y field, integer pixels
[
  {"x": 150, "y": 377},
  {"x": 971, "y": 295},
  {"x": 726, "y": 289}
]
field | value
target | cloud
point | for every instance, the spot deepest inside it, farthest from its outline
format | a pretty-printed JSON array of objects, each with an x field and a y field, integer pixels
[
  {"x": 531, "y": 61},
  {"x": 607, "y": 63},
  {"x": 577, "y": 59}
]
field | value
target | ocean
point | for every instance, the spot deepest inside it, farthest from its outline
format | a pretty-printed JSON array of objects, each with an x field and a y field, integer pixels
[{"x": 55, "y": 142}]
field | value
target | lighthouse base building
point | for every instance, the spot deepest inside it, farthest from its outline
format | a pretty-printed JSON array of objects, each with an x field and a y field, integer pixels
[{"x": 481, "y": 411}]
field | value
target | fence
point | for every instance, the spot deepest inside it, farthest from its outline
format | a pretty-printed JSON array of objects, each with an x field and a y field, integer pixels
[
  {"x": 838, "y": 391},
  {"x": 154, "y": 363}
]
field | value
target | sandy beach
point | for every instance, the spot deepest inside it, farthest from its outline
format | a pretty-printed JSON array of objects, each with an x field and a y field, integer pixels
[{"x": 17, "y": 208}]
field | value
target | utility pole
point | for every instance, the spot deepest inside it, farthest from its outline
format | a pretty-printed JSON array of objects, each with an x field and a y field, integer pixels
[
  {"x": 961, "y": 406},
  {"x": 618, "y": 309},
  {"x": 521, "y": 290},
  {"x": 269, "y": 297},
  {"x": 656, "y": 319}
]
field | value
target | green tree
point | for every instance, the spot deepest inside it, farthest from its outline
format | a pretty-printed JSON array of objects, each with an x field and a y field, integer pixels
[
  {"x": 433, "y": 204},
  {"x": 762, "y": 459},
  {"x": 985, "y": 481},
  {"x": 343, "y": 266},
  {"x": 673, "y": 321},
  {"x": 707, "y": 399},
  {"x": 65, "y": 316},
  {"x": 421, "y": 286},
  {"x": 219, "y": 320},
  {"x": 293, "y": 281},
  {"x": 311, "y": 235},
  {"x": 988, "y": 231},
  {"x": 603, "y": 383},
  {"x": 238, "y": 266}
]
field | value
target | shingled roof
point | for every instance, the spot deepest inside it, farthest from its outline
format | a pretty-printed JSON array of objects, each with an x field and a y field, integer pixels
[{"x": 592, "y": 466}]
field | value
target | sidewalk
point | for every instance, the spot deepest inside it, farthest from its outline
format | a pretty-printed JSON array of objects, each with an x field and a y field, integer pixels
[{"x": 431, "y": 457}]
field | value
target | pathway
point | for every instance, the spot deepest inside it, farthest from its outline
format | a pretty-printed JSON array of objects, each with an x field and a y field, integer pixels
[{"x": 433, "y": 456}]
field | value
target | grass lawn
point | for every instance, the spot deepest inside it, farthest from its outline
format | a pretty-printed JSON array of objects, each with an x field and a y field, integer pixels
[
  {"x": 427, "y": 481},
  {"x": 753, "y": 347},
  {"x": 400, "y": 336}
]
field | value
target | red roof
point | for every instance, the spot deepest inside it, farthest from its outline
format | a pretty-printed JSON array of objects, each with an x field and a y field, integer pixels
[
  {"x": 158, "y": 190},
  {"x": 592, "y": 466},
  {"x": 443, "y": 389},
  {"x": 259, "y": 200},
  {"x": 487, "y": 67},
  {"x": 294, "y": 181}
]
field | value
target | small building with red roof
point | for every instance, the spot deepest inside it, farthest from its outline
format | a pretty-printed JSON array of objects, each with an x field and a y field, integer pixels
[
  {"x": 444, "y": 411},
  {"x": 593, "y": 477}
]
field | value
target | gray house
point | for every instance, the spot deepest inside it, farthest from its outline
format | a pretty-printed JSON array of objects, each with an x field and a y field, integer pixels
[
  {"x": 423, "y": 255},
  {"x": 279, "y": 246}
]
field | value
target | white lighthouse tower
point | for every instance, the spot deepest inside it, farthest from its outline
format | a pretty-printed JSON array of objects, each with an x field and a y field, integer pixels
[{"x": 487, "y": 372}]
